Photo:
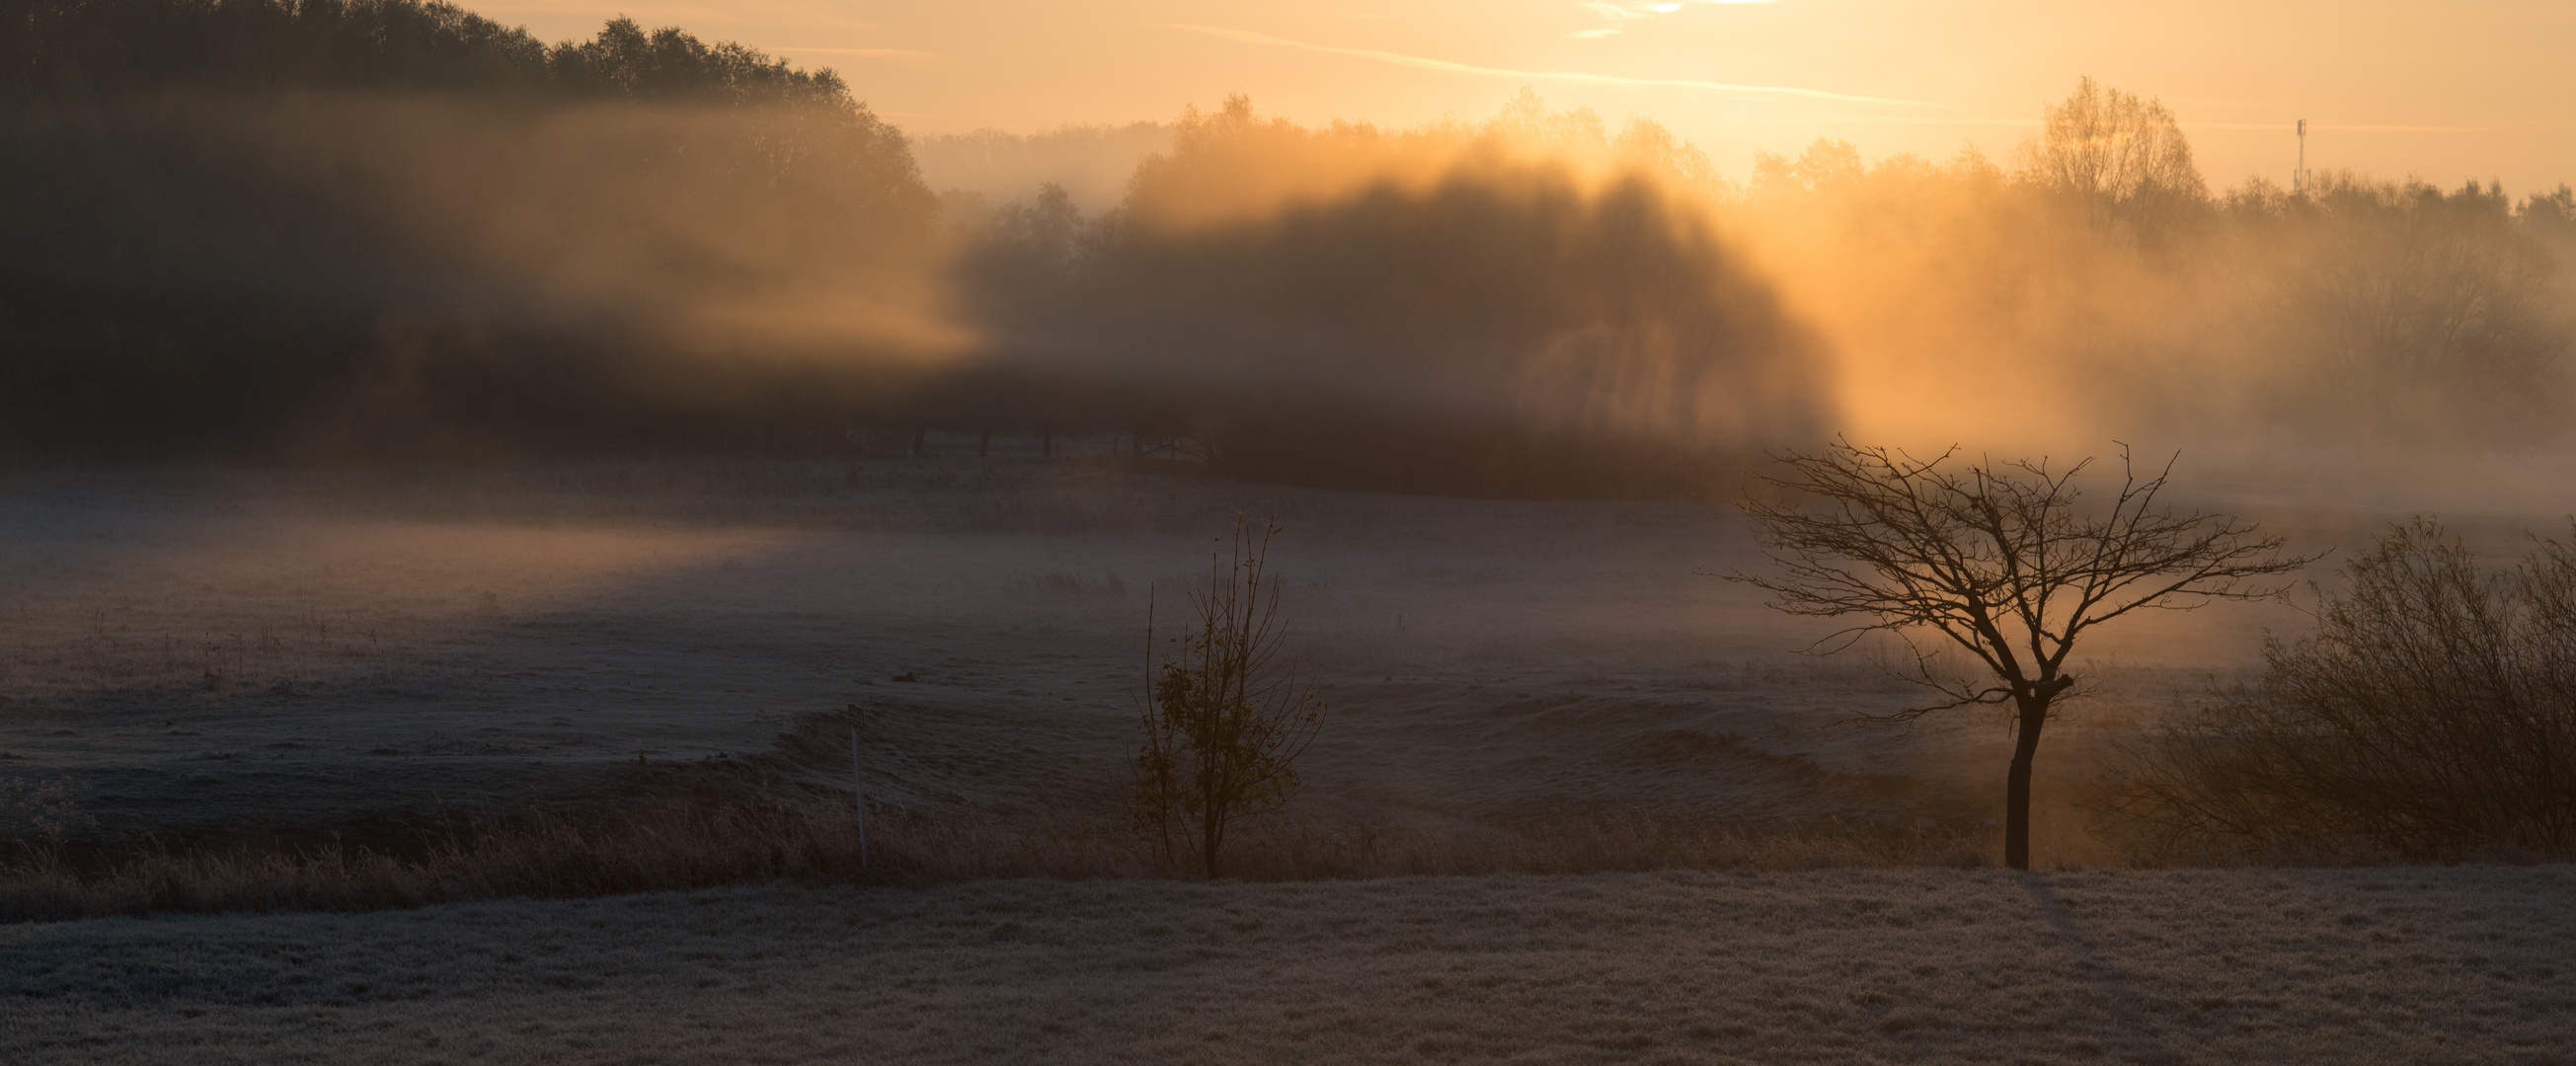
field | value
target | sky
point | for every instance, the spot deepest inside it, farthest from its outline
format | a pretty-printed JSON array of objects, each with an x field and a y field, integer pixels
[{"x": 2445, "y": 92}]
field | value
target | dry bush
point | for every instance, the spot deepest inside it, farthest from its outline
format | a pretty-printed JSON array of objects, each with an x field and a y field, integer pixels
[
  {"x": 2431, "y": 717},
  {"x": 1228, "y": 716}
]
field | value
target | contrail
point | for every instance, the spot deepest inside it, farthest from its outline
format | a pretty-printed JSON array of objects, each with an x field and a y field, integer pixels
[
  {"x": 1905, "y": 120},
  {"x": 2285, "y": 126},
  {"x": 1419, "y": 62}
]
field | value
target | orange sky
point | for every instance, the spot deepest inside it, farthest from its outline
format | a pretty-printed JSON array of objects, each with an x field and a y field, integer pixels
[{"x": 2444, "y": 91}]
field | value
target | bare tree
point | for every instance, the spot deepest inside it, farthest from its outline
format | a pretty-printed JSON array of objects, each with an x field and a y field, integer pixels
[
  {"x": 1226, "y": 719},
  {"x": 2121, "y": 158},
  {"x": 1994, "y": 560}
]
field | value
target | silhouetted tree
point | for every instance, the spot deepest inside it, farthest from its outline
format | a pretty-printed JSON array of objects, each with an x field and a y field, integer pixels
[
  {"x": 2123, "y": 160},
  {"x": 1996, "y": 561}
]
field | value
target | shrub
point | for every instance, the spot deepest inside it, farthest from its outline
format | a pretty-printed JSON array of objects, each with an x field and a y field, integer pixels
[
  {"x": 2431, "y": 716},
  {"x": 1225, "y": 719}
]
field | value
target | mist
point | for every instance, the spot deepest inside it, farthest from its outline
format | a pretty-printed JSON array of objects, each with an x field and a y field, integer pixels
[
  {"x": 2089, "y": 290},
  {"x": 1090, "y": 163},
  {"x": 1466, "y": 308},
  {"x": 1968, "y": 301},
  {"x": 642, "y": 243}
]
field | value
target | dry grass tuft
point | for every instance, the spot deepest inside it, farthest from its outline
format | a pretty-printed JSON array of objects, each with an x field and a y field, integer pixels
[{"x": 542, "y": 857}]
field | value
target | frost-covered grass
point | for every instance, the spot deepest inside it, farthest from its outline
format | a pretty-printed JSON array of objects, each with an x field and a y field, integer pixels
[{"x": 2381, "y": 965}]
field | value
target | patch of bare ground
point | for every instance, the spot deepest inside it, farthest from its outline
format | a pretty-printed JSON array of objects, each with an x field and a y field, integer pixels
[{"x": 2421, "y": 965}]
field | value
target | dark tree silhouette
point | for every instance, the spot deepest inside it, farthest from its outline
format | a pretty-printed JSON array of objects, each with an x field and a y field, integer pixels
[{"x": 1996, "y": 560}]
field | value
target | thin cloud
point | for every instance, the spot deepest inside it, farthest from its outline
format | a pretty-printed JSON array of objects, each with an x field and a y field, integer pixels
[
  {"x": 1622, "y": 12},
  {"x": 1897, "y": 120},
  {"x": 1449, "y": 67},
  {"x": 2282, "y": 127},
  {"x": 1629, "y": 12},
  {"x": 2287, "y": 127}
]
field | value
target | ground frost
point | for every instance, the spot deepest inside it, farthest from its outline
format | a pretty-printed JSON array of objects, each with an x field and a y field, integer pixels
[{"x": 2412, "y": 966}]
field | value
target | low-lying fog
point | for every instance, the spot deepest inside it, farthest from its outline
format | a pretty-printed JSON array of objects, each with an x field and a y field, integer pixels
[{"x": 236, "y": 656}]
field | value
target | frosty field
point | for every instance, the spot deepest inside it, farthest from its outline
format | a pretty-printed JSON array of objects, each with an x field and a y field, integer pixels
[{"x": 2418, "y": 966}]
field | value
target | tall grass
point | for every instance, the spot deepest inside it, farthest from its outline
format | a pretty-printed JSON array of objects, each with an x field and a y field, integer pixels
[
  {"x": 682, "y": 846},
  {"x": 675, "y": 847}
]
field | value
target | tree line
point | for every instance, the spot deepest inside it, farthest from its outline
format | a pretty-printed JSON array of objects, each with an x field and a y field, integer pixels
[{"x": 96, "y": 50}]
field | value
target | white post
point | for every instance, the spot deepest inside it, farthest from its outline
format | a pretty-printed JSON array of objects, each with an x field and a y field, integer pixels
[{"x": 2299, "y": 178}]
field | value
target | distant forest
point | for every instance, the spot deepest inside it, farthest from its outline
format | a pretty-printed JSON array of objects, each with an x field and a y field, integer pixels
[{"x": 325, "y": 230}]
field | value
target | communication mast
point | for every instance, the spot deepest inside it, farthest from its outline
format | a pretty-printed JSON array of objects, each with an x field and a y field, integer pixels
[{"x": 2299, "y": 177}]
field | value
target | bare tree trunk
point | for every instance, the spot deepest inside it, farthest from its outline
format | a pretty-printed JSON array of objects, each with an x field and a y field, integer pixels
[
  {"x": 2034, "y": 713},
  {"x": 918, "y": 436},
  {"x": 984, "y": 444},
  {"x": 1046, "y": 443},
  {"x": 1212, "y": 812}
]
